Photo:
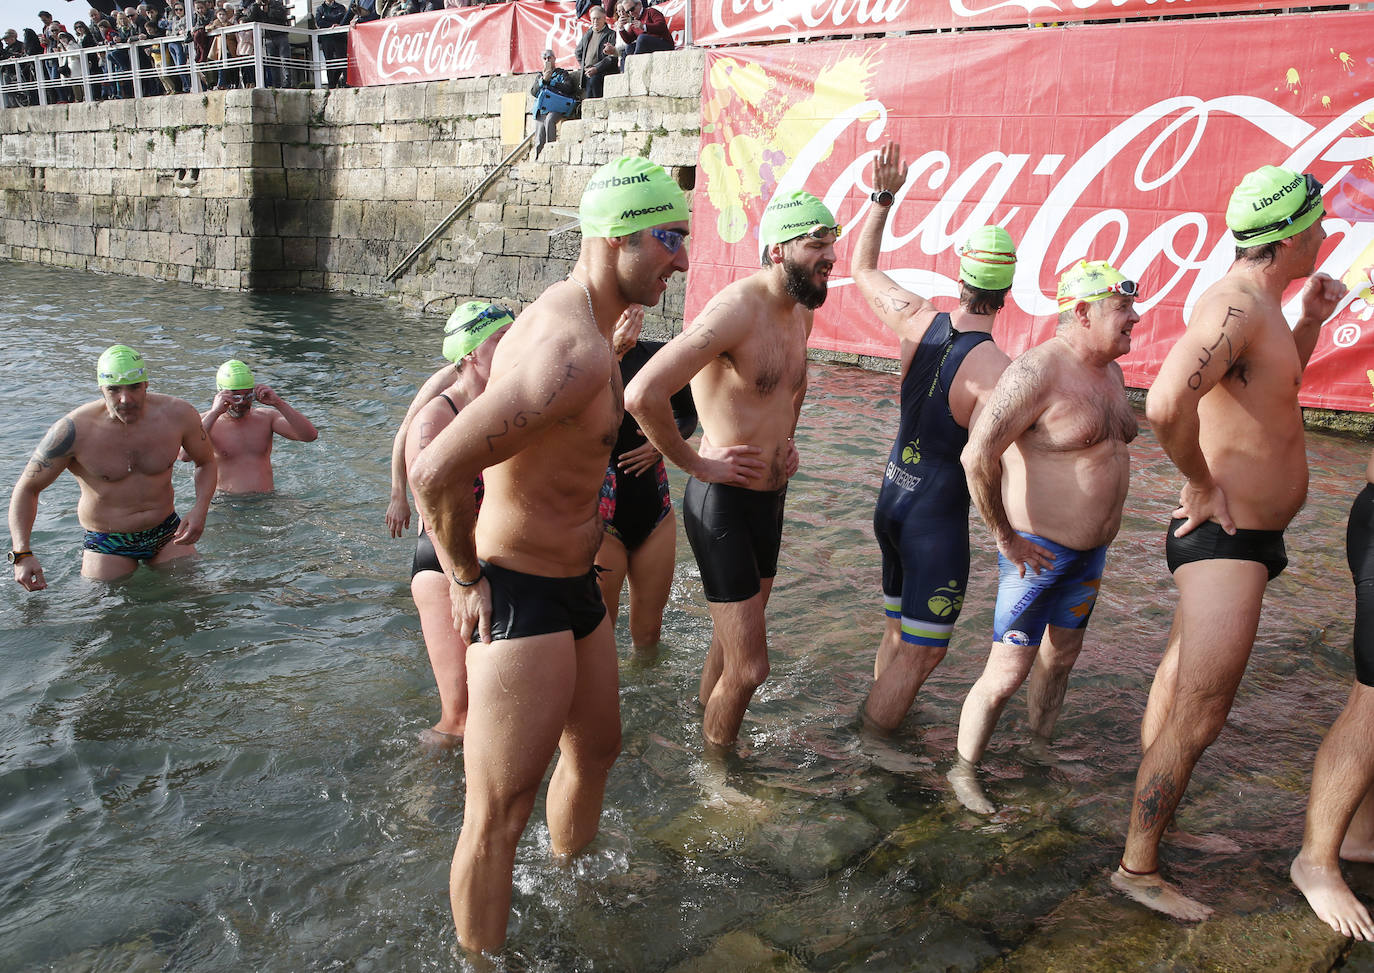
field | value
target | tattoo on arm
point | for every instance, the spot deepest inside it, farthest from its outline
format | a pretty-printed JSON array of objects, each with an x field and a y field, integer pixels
[
  {"x": 56, "y": 444},
  {"x": 898, "y": 303},
  {"x": 700, "y": 338},
  {"x": 426, "y": 434}
]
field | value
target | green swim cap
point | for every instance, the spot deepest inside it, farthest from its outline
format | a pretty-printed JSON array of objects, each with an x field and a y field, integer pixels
[
  {"x": 628, "y": 195},
  {"x": 1092, "y": 280},
  {"x": 234, "y": 375},
  {"x": 987, "y": 258},
  {"x": 794, "y": 214},
  {"x": 120, "y": 365},
  {"x": 1273, "y": 204},
  {"x": 471, "y": 324}
]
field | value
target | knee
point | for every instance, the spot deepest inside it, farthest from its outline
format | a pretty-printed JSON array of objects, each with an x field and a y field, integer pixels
[
  {"x": 499, "y": 819},
  {"x": 750, "y": 674}
]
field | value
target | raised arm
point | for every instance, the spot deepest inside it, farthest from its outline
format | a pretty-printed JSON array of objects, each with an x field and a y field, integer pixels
[
  {"x": 649, "y": 396},
  {"x": 1320, "y": 297},
  {"x": 196, "y": 444},
  {"x": 1216, "y": 337},
  {"x": 398, "y": 509},
  {"x": 906, "y": 314},
  {"x": 1017, "y": 401},
  {"x": 289, "y": 423},
  {"x": 53, "y": 455}
]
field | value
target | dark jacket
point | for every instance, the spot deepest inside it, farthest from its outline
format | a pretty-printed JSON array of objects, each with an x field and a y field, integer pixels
[{"x": 589, "y": 51}]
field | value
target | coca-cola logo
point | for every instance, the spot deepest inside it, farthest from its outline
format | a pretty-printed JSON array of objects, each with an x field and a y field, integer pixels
[
  {"x": 445, "y": 49},
  {"x": 1180, "y": 256},
  {"x": 734, "y": 17},
  {"x": 563, "y": 33}
]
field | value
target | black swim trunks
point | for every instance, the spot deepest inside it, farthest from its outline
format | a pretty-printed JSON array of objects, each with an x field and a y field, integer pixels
[
  {"x": 141, "y": 545},
  {"x": 425, "y": 558},
  {"x": 735, "y": 534},
  {"x": 1359, "y": 552},
  {"x": 1208, "y": 542},
  {"x": 523, "y": 605}
]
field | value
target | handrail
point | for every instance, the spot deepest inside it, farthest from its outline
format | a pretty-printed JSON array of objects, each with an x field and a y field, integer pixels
[
  {"x": 458, "y": 210},
  {"x": 121, "y": 65}
]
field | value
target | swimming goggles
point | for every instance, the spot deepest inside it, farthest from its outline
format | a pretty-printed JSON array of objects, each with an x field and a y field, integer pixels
[
  {"x": 1126, "y": 288},
  {"x": 672, "y": 240}
]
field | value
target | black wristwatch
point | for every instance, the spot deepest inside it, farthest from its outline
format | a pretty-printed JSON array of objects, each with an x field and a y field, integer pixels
[
  {"x": 16, "y": 556},
  {"x": 883, "y": 198}
]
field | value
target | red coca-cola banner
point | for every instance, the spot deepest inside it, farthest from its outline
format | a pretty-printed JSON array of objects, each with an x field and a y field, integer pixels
[
  {"x": 469, "y": 42},
  {"x": 1109, "y": 142},
  {"x": 464, "y": 42},
  {"x": 742, "y": 21}
]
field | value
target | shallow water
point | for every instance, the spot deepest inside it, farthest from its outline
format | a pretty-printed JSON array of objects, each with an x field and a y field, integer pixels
[{"x": 216, "y": 768}]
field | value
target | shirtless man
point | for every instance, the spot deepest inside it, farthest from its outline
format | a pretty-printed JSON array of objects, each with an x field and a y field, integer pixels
[
  {"x": 949, "y": 366},
  {"x": 1048, "y": 469},
  {"x": 745, "y": 356},
  {"x": 542, "y": 672},
  {"x": 1225, "y": 409},
  {"x": 1340, "y": 812},
  {"x": 121, "y": 448},
  {"x": 242, "y": 436}
]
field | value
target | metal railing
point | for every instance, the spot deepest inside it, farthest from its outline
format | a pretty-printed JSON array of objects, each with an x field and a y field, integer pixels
[{"x": 265, "y": 55}]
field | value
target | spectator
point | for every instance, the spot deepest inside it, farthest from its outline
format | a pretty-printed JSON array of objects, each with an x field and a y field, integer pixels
[
  {"x": 201, "y": 18},
  {"x": 557, "y": 93},
  {"x": 596, "y": 54},
  {"x": 331, "y": 13},
  {"x": 12, "y": 47},
  {"x": 120, "y": 34},
  {"x": 642, "y": 30},
  {"x": 69, "y": 67},
  {"x": 32, "y": 48},
  {"x": 223, "y": 47},
  {"x": 48, "y": 36},
  {"x": 277, "y": 43},
  {"x": 85, "y": 38},
  {"x": 175, "y": 28}
]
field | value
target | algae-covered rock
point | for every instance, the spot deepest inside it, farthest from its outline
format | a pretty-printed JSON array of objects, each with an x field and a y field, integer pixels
[{"x": 740, "y": 952}]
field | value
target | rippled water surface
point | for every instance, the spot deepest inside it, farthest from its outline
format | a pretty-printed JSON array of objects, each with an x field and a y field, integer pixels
[{"x": 217, "y": 768}]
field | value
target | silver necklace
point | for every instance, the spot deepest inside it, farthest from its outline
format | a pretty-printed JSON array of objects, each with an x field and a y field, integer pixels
[{"x": 588, "y": 295}]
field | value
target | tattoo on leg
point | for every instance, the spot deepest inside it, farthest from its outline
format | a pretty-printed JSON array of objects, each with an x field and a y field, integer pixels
[
  {"x": 1157, "y": 800},
  {"x": 57, "y": 443}
]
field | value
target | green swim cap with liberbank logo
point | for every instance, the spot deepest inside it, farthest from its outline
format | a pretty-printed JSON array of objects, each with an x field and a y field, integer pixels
[
  {"x": 628, "y": 195},
  {"x": 790, "y": 215},
  {"x": 120, "y": 365},
  {"x": 1272, "y": 204},
  {"x": 234, "y": 376}
]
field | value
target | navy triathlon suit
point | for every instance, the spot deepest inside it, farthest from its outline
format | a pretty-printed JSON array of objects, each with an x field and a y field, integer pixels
[
  {"x": 425, "y": 558},
  {"x": 632, "y": 505},
  {"x": 1359, "y": 551},
  {"x": 921, "y": 520}
]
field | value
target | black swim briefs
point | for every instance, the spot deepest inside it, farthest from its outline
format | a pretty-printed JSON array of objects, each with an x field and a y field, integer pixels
[
  {"x": 1208, "y": 542},
  {"x": 735, "y": 534},
  {"x": 523, "y": 605},
  {"x": 425, "y": 558},
  {"x": 1359, "y": 551}
]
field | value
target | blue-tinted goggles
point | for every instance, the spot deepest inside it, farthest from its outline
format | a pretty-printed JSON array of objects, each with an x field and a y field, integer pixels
[{"x": 672, "y": 240}]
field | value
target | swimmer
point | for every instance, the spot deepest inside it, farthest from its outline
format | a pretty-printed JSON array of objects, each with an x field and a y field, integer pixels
[
  {"x": 542, "y": 671},
  {"x": 242, "y": 435},
  {"x": 398, "y": 508},
  {"x": 1340, "y": 811},
  {"x": 1048, "y": 468},
  {"x": 745, "y": 356},
  {"x": 949, "y": 366},
  {"x": 475, "y": 328},
  {"x": 1225, "y": 409},
  {"x": 121, "y": 448},
  {"x": 641, "y": 531}
]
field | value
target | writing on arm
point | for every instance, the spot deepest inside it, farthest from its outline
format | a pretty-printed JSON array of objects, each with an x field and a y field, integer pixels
[{"x": 1221, "y": 348}]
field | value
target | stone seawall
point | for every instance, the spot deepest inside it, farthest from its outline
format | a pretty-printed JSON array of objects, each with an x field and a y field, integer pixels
[{"x": 330, "y": 190}]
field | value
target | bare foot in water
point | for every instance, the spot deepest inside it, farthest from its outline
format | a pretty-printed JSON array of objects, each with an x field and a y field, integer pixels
[
  {"x": 440, "y": 740},
  {"x": 1153, "y": 892},
  {"x": 1331, "y": 899},
  {"x": 964, "y": 777},
  {"x": 1038, "y": 750},
  {"x": 1212, "y": 844}
]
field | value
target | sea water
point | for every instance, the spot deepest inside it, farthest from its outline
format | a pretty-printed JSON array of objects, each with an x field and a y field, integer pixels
[{"x": 217, "y": 768}]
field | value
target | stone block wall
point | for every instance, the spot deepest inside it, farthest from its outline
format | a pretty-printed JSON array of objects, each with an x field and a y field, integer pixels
[{"x": 330, "y": 190}]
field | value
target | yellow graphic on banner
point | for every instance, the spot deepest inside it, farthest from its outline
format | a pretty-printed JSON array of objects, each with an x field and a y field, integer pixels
[
  {"x": 1293, "y": 81},
  {"x": 1345, "y": 60},
  {"x": 759, "y": 128}
]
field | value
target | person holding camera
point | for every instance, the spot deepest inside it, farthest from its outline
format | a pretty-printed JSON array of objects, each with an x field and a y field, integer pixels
[
  {"x": 643, "y": 30},
  {"x": 596, "y": 54},
  {"x": 557, "y": 92}
]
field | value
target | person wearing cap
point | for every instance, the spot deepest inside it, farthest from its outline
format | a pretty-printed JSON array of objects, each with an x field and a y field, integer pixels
[
  {"x": 949, "y": 366},
  {"x": 121, "y": 448},
  {"x": 542, "y": 668},
  {"x": 477, "y": 327},
  {"x": 1048, "y": 468},
  {"x": 465, "y": 318},
  {"x": 745, "y": 356},
  {"x": 1224, "y": 407},
  {"x": 242, "y": 435}
]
